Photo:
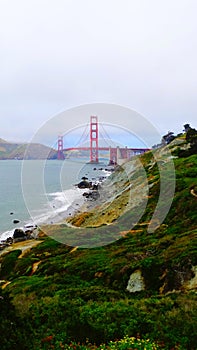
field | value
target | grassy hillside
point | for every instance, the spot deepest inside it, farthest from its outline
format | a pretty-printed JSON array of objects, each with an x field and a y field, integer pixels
[
  {"x": 142, "y": 285},
  {"x": 25, "y": 151}
]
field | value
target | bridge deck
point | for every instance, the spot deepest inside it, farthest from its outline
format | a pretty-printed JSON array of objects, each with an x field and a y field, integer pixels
[{"x": 104, "y": 149}]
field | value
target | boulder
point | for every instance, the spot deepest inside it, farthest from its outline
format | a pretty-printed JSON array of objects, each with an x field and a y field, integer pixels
[
  {"x": 136, "y": 282},
  {"x": 19, "y": 235},
  {"x": 84, "y": 184}
]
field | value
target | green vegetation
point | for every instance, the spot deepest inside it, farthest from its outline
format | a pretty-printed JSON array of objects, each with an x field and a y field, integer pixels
[
  {"x": 65, "y": 297},
  {"x": 127, "y": 343}
]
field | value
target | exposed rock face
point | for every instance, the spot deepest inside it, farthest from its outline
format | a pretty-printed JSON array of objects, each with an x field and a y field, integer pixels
[{"x": 136, "y": 282}]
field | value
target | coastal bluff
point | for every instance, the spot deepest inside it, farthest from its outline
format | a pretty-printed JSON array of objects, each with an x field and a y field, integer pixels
[{"x": 112, "y": 277}]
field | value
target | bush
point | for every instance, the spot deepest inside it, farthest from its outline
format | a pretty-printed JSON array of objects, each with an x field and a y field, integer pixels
[{"x": 8, "y": 263}]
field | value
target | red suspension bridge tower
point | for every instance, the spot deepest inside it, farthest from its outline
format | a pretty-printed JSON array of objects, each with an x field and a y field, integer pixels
[
  {"x": 115, "y": 153},
  {"x": 93, "y": 139}
]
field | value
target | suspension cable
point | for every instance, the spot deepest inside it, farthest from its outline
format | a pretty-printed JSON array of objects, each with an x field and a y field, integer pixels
[
  {"x": 107, "y": 138},
  {"x": 84, "y": 136}
]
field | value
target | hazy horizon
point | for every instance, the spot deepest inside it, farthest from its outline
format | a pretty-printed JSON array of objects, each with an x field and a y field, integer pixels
[{"x": 58, "y": 55}]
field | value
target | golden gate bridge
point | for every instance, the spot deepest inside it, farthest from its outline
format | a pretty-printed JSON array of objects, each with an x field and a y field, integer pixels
[{"x": 115, "y": 153}]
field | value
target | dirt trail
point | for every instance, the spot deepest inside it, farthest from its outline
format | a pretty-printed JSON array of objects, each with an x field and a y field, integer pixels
[
  {"x": 24, "y": 246},
  {"x": 35, "y": 266}
]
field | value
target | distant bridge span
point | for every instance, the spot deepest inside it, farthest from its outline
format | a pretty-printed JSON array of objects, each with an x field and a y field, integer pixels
[
  {"x": 115, "y": 153},
  {"x": 85, "y": 149},
  {"x": 135, "y": 150}
]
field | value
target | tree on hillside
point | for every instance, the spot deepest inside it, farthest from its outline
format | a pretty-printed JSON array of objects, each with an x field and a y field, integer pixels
[
  {"x": 169, "y": 137},
  {"x": 191, "y": 139},
  {"x": 186, "y": 127}
]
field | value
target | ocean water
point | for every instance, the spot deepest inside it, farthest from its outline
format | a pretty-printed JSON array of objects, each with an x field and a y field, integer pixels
[{"x": 36, "y": 191}]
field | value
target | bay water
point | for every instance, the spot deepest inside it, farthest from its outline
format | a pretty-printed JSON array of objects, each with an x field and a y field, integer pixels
[{"x": 36, "y": 192}]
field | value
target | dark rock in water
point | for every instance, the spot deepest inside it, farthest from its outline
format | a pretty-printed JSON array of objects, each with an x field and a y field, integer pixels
[
  {"x": 84, "y": 184},
  {"x": 16, "y": 221},
  {"x": 18, "y": 232},
  {"x": 84, "y": 178},
  {"x": 19, "y": 235}
]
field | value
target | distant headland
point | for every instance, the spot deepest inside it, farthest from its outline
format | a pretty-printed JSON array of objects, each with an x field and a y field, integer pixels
[{"x": 20, "y": 151}]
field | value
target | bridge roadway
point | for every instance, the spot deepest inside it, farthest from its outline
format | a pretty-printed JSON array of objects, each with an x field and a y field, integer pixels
[
  {"x": 116, "y": 154},
  {"x": 105, "y": 149}
]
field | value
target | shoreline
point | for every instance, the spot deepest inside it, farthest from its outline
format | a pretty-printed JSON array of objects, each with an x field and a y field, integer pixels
[
  {"x": 71, "y": 210},
  {"x": 83, "y": 204},
  {"x": 58, "y": 213}
]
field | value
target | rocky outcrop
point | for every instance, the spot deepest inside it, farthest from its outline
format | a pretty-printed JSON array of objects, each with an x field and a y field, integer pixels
[
  {"x": 136, "y": 282},
  {"x": 84, "y": 184},
  {"x": 19, "y": 235}
]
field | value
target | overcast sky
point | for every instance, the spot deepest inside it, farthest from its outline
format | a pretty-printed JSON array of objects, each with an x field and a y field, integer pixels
[{"x": 59, "y": 54}]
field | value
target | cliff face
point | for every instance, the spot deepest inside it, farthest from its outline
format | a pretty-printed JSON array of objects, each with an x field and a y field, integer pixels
[{"x": 143, "y": 283}]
